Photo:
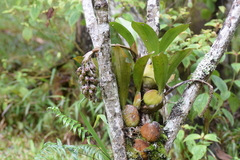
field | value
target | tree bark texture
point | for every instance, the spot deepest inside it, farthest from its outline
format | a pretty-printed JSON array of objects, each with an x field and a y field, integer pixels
[
  {"x": 153, "y": 15},
  {"x": 100, "y": 35},
  {"x": 202, "y": 72}
]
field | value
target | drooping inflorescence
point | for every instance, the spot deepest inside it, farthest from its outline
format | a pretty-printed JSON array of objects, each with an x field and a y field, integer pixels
[{"x": 88, "y": 79}]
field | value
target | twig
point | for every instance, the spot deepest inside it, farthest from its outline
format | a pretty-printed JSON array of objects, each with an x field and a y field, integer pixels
[{"x": 134, "y": 54}]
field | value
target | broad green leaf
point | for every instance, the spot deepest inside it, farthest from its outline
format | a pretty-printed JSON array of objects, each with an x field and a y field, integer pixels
[
  {"x": 180, "y": 147},
  {"x": 180, "y": 135},
  {"x": 219, "y": 101},
  {"x": 236, "y": 67},
  {"x": 193, "y": 136},
  {"x": 200, "y": 103},
  {"x": 198, "y": 151},
  {"x": 27, "y": 33},
  {"x": 126, "y": 34},
  {"x": 122, "y": 70},
  {"x": 138, "y": 71},
  {"x": 228, "y": 115},
  {"x": 234, "y": 102},
  {"x": 190, "y": 144},
  {"x": 221, "y": 85},
  {"x": 148, "y": 36},
  {"x": 237, "y": 82},
  {"x": 35, "y": 10},
  {"x": 74, "y": 16},
  {"x": 123, "y": 31},
  {"x": 128, "y": 26},
  {"x": 175, "y": 60},
  {"x": 160, "y": 68},
  {"x": 211, "y": 137},
  {"x": 170, "y": 35}
]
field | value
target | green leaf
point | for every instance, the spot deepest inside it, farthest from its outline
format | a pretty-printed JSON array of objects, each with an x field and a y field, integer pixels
[
  {"x": 221, "y": 85},
  {"x": 176, "y": 59},
  {"x": 192, "y": 137},
  {"x": 200, "y": 102},
  {"x": 236, "y": 67},
  {"x": 27, "y": 33},
  {"x": 210, "y": 158},
  {"x": 234, "y": 102},
  {"x": 206, "y": 14},
  {"x": 211, "y": 137},
  {"x": 237, "y": 82},
  {"x": 228, "y": 115},
  {"x": 180, "y": 135},
  {"x": 102, "y": 117},
  {"x": 127, "y": 25},
  {"x": 160, "y": 68},
  {"x": 138, "y": 71},
  {"x": 123, "y": 31},
  {"x": 95, "y": 135},
  {"x": 198, "y": 151},
  {"x": 74, "y": 16},
  {"x": 170, "y": 35},
  {"x": 35, "y": 10},
  {"x": 126, "y": 34},
  {"x": 122, "y": 70},
  {"x": 79, "y": 59},
  {"x": 190, "y": 144},
  {"x": 148, "y": 36}
]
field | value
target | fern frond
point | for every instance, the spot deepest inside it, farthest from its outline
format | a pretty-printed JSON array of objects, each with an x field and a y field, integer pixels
[
  {"x": 91, "y": 151},
  {"x": 56, "y": 151},
  {"x": 67, "y": 121},
  {"x": 52, "y": 151}
]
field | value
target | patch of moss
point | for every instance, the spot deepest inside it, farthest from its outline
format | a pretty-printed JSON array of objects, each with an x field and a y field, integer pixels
[
  {"x": 132, "y": 153},
  {"x": 156, "y": 150}
]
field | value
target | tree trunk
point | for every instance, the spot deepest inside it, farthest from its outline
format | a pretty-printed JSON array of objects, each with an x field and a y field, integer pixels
[{"x": 100, "y": 35}]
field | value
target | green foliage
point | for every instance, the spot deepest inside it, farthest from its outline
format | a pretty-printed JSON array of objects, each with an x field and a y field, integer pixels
[
  {"x": 193, "y": 146},
  {"x": 170, "y": 35},
  {"x": 160, "y": 65},
  {"x": 148, "y": 36},
  {"x": 200, "y": 103},
  {"x": 122, "y": 70},
  {"x": 223, "y": 108},
  {"x": 123, "y": 31},
  {"x": 75, "y": 126},
  {"x": 154, "y": 47},
  {"x": 57, "y": 150},
  {"x": 138, "y": 71},
  {"x": 35, "y": 52}
]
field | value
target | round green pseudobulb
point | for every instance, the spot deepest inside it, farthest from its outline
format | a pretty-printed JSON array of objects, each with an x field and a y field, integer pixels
[{"x": 152, "y": 97}]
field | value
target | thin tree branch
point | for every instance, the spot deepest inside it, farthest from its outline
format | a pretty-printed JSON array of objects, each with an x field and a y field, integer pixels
[
  {"x": 202, "y": 72},
  {"x": 100, "y": 35},
  {"x": 153, "y": 15}
]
